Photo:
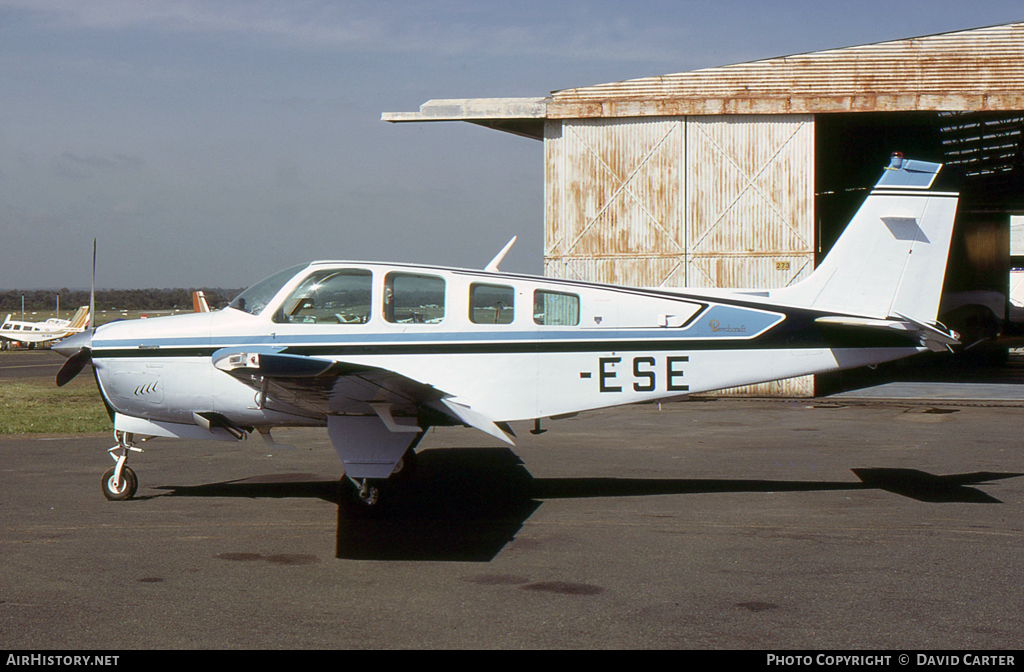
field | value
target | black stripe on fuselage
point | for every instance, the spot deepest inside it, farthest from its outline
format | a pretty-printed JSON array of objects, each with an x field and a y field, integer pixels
[{"x": 797, "y": 331}]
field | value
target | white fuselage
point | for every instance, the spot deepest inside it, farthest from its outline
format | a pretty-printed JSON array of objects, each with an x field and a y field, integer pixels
[{"x": 589, "y": 346}]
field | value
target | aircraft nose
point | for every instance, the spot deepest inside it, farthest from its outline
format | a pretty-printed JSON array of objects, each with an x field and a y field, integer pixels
[{"x": 73, "y": 344}]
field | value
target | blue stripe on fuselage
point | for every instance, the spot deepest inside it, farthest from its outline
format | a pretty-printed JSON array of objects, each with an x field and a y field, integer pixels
[{"x": 717, "y": 322}]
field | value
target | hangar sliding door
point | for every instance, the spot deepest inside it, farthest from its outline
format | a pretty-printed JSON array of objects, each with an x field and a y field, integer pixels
[
  {"x": 749, "y": 200},
  {"x": 718, "y": 201},
  {"x": 614, "y": 200},
  {"x": 723, "y": 201}
]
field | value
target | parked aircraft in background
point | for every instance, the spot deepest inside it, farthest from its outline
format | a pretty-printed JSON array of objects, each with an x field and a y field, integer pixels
[
  {"x": 377, "y": 353},
  {"x": 35, "y": 333},
  {"x": 199, "y": 304}
]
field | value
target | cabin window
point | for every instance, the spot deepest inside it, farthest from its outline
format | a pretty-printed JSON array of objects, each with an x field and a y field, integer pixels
[
  {"x": 556, "y": 308},
  {"x": 336, "y": 296},
  {"x": 413, "y": 299},
  {"x": 491, "y": 304}
]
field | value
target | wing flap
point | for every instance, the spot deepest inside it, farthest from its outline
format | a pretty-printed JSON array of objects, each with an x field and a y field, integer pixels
[{"x": 476, "y": 419}]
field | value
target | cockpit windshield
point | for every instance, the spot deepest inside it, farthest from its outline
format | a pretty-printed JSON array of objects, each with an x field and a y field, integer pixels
[{"x": 256, "y": 298}]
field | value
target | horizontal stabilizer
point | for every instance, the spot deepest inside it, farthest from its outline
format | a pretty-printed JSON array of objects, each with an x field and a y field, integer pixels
[{"x": 932, "y": 337}]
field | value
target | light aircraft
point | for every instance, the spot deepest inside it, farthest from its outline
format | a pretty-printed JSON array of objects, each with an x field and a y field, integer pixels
[
  {"x": 52, "y": 329},
  {"x": 377, "y": 353}
]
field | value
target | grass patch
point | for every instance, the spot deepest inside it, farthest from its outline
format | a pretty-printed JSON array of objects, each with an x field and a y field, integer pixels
[{"x": 40, "y": 407}]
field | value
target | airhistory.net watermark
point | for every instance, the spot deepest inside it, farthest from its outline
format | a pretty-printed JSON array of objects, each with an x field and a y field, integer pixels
[{"x": 51, "y": 660}]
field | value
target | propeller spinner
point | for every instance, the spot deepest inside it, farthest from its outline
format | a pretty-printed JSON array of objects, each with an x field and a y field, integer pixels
[{"x": 77, "y": 349}]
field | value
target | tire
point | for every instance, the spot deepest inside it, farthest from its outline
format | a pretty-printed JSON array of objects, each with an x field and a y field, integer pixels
[
  {"x": 117, "y": 492},
  {"x": 370, "y": 498}
]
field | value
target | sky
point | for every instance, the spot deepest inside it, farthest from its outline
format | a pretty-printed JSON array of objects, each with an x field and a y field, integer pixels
[{"x": 210, "y": 143}]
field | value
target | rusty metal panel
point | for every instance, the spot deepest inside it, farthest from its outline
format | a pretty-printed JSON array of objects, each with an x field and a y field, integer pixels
[
  {"x": 975, "y": 69},
  {"x": 750, "y": 200},
  {"x": 698, "y": 202},
  {"x": 614, "y": 193},
  {"x": 802, "y": 386},
  {"x": 631, "y": 270}
]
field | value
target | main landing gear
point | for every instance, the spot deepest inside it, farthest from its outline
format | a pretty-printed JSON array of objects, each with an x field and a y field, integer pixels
[
  {"x": 119, "y": 482},
  {"x": 367, "y": 494},
  {"x": 368, "y": 491}
]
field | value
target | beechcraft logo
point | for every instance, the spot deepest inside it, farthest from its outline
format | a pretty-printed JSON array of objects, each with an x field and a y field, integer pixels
[{"x": 728, "y": 329}]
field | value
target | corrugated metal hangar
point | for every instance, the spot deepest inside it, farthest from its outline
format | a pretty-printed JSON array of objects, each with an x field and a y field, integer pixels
[{"x": 744, "y": 175}]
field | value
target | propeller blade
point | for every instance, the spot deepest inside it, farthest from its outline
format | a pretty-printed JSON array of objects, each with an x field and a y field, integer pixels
[
  {"x": 92, "y": 292},
  {"x": 77, "y": 347},
  {"x": 73, "y": 366}
]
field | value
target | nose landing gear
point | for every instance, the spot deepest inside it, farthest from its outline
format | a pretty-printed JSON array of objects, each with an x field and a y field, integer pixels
[
  {"x": 119, "y": 482},
  {"x": 118, "y": 488}
]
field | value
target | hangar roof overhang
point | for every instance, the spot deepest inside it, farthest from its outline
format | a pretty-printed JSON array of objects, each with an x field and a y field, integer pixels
[
  {"x": 521, "y": 116},
  {"x": 977, "y": 70}
]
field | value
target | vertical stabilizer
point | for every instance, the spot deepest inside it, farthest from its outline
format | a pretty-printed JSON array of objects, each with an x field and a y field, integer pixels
[
  {"x": 80, "y": 319},
  {"x": 891, "y": 259},
  {"x": 199, "y": 304}
]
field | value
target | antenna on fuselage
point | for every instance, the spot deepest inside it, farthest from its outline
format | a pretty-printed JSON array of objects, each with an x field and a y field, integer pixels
[{"x": 493, "y": 266}]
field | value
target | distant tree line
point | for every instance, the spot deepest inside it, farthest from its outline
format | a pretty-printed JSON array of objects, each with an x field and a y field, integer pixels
[{"x": 111, "y": 299}]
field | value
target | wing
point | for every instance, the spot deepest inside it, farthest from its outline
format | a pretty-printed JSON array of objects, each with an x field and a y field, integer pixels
[{"x": 318, "y": 387}]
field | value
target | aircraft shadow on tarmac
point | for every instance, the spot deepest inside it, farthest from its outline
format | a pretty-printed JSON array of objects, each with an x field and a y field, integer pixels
[{"x": 467, "y": 504}]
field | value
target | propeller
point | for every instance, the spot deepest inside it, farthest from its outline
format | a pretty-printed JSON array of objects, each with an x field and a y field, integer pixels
[
  {"x": 74, "y": 364},
  {"x": 78, "y": 348}
]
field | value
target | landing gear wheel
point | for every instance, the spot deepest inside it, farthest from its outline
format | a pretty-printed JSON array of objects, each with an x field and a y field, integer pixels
[
  {"x": 117, "y": 492},
  {"x": 368, "y": 495},
  {"x": 361, "y": 493}
]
